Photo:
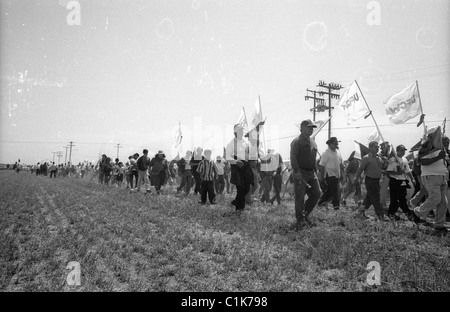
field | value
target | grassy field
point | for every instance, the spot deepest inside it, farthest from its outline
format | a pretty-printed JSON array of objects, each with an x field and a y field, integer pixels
[{"x": 136, "y": 242}]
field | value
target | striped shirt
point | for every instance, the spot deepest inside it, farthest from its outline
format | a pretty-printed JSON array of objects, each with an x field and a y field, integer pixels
[{"x": 206, "y": 169}]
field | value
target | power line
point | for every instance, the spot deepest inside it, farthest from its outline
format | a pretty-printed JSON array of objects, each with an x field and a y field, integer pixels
[{"x": 350, "y": 128}]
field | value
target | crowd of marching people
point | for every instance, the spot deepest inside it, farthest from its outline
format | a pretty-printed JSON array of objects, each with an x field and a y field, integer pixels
[{"x": 418, "y": 186}]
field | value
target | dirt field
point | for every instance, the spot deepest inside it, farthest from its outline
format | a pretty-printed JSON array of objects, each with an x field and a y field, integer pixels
[{"x": 136, "y": 242}]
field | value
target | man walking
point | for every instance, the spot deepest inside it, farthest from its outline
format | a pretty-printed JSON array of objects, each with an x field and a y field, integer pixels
[
  {"x": 143, "y": 163},
  {"x": 237, "y": 154},
  {"x": 207, "y": 172},
  {"x": 434, "y": 171},
  {"x": 330, "y": 171},
  {"x": 185, "y": 171},
  {"x": 303, "y": 161},
  {"x": 372, "y": 165},
  {"x": 398, "y": 172},
  {"x": 158, "y": 169},
  {"x": 219, "y": 181}
]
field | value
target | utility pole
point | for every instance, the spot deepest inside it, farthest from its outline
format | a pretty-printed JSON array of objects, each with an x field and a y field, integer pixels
[
  {"x": 70, "y": 155},
  {"x": 322, "y": 107},
  {"x": 54, "y": 155},
  {"x": 59, "y": 155},
  {"x": 118, "y": 146},
  {"x": 316, "y": 99},
  {"x": 65, "y": 158}
]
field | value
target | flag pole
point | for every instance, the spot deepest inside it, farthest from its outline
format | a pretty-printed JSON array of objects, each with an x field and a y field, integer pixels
[
  {"x": 421, "y": 109},
  {"x": 370, "y": 111}
]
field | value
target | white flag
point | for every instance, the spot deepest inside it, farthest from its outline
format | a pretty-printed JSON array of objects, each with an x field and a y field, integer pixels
[
  {"x": 257, "y": 118},
  {"x": 375, "y": 136},
  {"x": 352, "y": 103},
  {"x": 319, "y": 123},
  {"x": 403, "y": 105},
  {"x": 242, "y": 120},
  {"x": 178, "y": 136}
]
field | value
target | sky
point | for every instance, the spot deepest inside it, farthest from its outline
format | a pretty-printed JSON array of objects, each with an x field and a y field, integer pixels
[{"x": 128, "y": 72}]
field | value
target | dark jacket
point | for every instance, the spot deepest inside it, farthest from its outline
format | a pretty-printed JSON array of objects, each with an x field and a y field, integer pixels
[
  {"x": 303, "y": 156},
  {"x": 240, "y": 176},
  {"x": 181, "y": 164},
  {"x": 157, "y": 165}
]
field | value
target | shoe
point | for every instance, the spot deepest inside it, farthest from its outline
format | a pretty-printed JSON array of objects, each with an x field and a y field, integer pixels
[
  {"x": 361, "y": 215},
  {"x": 410, "y": 217},
  {"x": 382, "y": 218},
  {"x": 344, "y": 203},
  {"x": 201, "y": 203},
  {"x": 301, "y": 226},
  {"x": 212, "y": 203},
  {"x": 416, "y": 219},
  {"x": 394, "y": 217},
  {"x": 310, "y": 222},
  {"x": 336, "y": 208},
  {"x": 149, "y": 191},
  {"x": 440, "y": 231}
]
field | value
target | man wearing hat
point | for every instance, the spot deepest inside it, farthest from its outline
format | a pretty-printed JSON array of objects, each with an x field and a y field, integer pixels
[
  {"x": 398, "y": 171},
  {"x": 372, "y": 165},
  {"x": 330, "y": 171},
  {"x": 158, "y": 167},
  {"x": 303, "y": 161}
]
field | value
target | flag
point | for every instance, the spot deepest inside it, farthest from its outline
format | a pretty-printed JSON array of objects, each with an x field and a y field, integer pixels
[
  {"x": 319, "y": 123},
  {"x": 410, "y": 156},
  {"x": 257, "y": 117},
  {"x": 178, "y": 136},
  {"x": 242, "y": 120},
  {"x": 375, "y": 136},
  {"x": 255, "y": 130},
  {"x": 353, "y": 104},
  {"x": 403, "y": 105},
  {"x": 360, "y": 150},
  {"x": 416, "y": 146},
  {"x": 433, "y": 145},
  {"x": 443, "y": 125}
]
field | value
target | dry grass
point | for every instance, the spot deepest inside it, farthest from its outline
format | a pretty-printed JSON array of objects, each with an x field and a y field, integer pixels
[{"x": 136, "y": 242}]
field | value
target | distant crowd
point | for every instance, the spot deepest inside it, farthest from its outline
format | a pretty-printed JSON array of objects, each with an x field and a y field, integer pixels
[{"x": 418, "y": 186}]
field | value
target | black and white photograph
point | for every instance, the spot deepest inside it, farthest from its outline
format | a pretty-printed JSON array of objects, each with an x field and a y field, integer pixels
[{"x": 225, "y": 152}]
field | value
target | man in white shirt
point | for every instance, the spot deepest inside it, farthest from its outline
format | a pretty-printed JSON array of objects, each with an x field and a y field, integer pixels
[
  {"x": 237, "y": 154},
  {"x": 398, "y": 171},
  {"x": 330, "y": 171},
  {"x": 219, "y": 179}
]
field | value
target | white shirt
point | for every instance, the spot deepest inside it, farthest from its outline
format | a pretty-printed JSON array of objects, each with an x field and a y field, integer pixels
[
  {"x": 393, "y": 166},
  {"x": 436, "y": 168},
  {"x": 332, "y": 162},
  {"x": 237, "y": 147},
  {"x": 220, "y": 166}
]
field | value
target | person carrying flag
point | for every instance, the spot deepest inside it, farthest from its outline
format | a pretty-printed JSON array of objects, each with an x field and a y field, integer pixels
[
  {"x": 372, "y": 165},
  {"x": 434, "y": 172},
  {"x": 398, "y": 171}
]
